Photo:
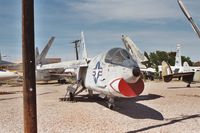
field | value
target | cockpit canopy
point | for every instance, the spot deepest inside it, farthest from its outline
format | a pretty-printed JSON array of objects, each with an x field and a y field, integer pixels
[{"x": 121, "y": 57}]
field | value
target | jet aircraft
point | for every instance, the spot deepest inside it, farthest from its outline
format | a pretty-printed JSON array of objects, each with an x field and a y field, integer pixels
[
  {"x": 5, "y": 63},
  {"x": 62, "y": 70},
  {"x": 187, "y": 74},
  {"x": 40, "y": 59},
  {"x": 113, "y": 74},
  {"x": 178, "y": 67},
  {"x": 6, "y": 75}
]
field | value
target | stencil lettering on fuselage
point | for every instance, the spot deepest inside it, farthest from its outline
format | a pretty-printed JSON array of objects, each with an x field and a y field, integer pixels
[{"x": 97, "y": 72}]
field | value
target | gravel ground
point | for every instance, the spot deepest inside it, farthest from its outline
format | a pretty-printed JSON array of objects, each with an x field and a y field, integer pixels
[{"x": 162, "y": 107}]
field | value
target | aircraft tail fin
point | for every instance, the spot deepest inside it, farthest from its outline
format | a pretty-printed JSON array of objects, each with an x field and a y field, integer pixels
[
  {"x": 166, "y": 72},
  {"x": 178, "y": 61},
  {"x": 40, "y": 58},
  {"x": 84, "y": 52},
  {"x": 133, "y": 49}
]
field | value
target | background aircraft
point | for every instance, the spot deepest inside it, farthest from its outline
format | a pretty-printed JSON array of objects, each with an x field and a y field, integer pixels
[
  {"x": 6, "y": 75},
  {"x": 47, "y": 72},
  {"x": 187, "y": 74},
  {"x": 47, "y": 75},
  {"x": 3, "y": 62},
  {"x": 178, "y": 67}
]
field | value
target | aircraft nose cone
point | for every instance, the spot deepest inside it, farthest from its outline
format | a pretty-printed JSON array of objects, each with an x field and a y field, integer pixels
[{"x": 136, "y": 71}]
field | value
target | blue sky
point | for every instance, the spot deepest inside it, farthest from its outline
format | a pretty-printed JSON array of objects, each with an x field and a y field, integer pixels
[{"x": 152, "y": 24}]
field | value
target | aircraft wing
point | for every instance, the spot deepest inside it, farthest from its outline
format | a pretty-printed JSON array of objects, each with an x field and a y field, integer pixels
[
  {"x": 186, "y": 77},
  {"x": 133, "y": 49},
  {"x": 63, "y": 65},
  {"x": 176, "y": 75},
  {"x": 189, "y": 17},
  {"x": 168, "y": 75}
]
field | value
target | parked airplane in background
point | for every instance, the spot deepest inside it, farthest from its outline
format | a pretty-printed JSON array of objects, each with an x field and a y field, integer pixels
[
  {"x": 6, "y": 75},
  {"x": 189, "y": 17},
  {"x": 113, "y": 74},
  {"x": 40, "y": 59},
  {"x": 178, "y": 68},
  {"x": 187, "y": 74},
  {"x": 3, "y": 62},
  {"x": 45, "y": 73}
]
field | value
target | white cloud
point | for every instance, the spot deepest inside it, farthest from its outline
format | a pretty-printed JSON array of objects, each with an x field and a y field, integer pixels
[{"x": 101, "y": 10}]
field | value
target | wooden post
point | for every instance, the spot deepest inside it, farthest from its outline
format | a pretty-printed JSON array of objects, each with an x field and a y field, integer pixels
[{"x": 29, "y": 87}]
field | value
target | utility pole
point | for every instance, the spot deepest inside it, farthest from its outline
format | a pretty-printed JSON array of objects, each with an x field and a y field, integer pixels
[
  {"x": 29, "y": 87},
  {"x": 76, "y": 47}
]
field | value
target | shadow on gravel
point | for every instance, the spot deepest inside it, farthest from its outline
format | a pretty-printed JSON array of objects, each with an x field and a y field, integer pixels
[
  {"x": 197, "y": 96},
  {"x": 11, "y": 98},
  {"x": 3, "y": 99},
  {"x": 170, "y": 122},
  {"x": 147, "y": 97},
  {"x": 52, "y": 83},
  {"x": 44, "y": 93},
  {"x": 9, "y": 92},
  {"x": 128, "y": 107},
  {"x": 183, "y": 87}
]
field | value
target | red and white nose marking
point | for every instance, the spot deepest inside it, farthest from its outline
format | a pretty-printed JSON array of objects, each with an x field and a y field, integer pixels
[{"x": 127, "y": 89}]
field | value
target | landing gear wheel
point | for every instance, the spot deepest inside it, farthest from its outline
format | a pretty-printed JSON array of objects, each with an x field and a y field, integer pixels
[
  {"x": 188, "y": 85},
  {"x": 62, "y": 81},
  {"x": 110, "y": 106},
  {"x": 111, "y": 103},
  {"x": 90, "y": 93},
  {"x": 71, "y": 97}
]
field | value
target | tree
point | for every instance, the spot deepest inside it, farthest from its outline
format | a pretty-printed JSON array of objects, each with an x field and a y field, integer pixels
[
  {"x": 157, "y": 57},
  {"x": 196, "y": 63}
]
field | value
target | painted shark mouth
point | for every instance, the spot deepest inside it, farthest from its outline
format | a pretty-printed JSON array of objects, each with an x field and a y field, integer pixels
[{"x": 127, "y": 89}]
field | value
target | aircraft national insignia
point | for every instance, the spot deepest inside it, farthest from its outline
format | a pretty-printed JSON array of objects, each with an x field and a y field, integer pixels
[{"x": 97, "y": 72}]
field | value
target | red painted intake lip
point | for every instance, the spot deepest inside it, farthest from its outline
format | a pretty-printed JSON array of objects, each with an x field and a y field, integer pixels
[{"x": 128, "y": 89}]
